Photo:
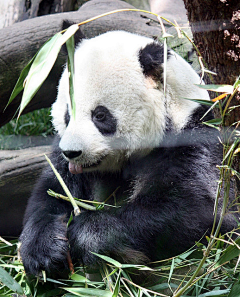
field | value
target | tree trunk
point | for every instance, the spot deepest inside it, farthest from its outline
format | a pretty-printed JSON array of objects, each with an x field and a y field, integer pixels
[{"x": 215, "y": 26}]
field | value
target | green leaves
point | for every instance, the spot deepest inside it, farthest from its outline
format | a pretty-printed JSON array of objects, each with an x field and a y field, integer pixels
[
  {"x": 19, "y": 85},
  {"x": 218, "y": 88},
  {"x": 70, "y": 49},
  {"x": 231, "y": 252},
  {"x": 215, "y": 293},
  {"x": 10, "y": 282},
  {"x": 117, "y": 285},
  {"x": 214, "y": 123},
  {"x": 89, "y": 292},
  {"x": 109, "y": 260},
  {"x": 204, "y": 102},
  {"x": 38, "y": 69},
  {"x": 235, "y": 291}
]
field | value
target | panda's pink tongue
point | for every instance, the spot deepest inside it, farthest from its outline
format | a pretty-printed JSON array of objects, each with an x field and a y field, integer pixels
[{"x": 75, "y": 169}]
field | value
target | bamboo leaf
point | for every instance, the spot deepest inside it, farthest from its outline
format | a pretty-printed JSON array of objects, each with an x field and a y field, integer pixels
[
  {"x": 117, "y": 285},
  {"x": 69, "y": 33},
  {"x": 19, "y": 86},
  {"x": 214, "y": 123},
  {"x": 237, "y": 83},
  {"x": 79, "y": 278},
  {"x": 217, "y": 88},
  {"x": 215, "y": 293},
  {"x": 235, "y": 291},
  {"x": 42, "y": 65},
  {"x": 171, "y": 270},
  {"x": 220, "y": 97},
  {"x": 70, "y": 49},
  {"x": 231, "y": 252},
  {"x": 20, "y": 82},
  {"x": 205, "y": 102},
  {"x": 40, "y": 69},
  {"x": 10, "y": 282},
  {"x": 89, "y": 292},
  {"x": 213, "y": 106},
  {"x": 235, "y": 143},
  {"x": 140, "y": 293},
  {"x": 137, "y": 266},
  {"x": 109, "y": 260},
  {"x": 70, "y": 220}
]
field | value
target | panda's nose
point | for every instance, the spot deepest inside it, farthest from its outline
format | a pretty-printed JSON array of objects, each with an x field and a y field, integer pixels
[{"x": 72, "y": 154}]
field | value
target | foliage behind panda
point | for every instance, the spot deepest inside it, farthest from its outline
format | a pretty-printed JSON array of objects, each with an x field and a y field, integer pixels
[{"x": 131, "y": 139}]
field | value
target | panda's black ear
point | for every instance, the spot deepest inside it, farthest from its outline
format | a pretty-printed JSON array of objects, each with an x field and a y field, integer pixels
[
  {"x": 151, "y": 60},
  {"x": 78, "y": 36}
]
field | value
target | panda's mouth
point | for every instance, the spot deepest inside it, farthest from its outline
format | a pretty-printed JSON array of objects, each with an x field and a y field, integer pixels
[
  {"x": 92, "y": 165},
  {"x": 79, "y": 168}
]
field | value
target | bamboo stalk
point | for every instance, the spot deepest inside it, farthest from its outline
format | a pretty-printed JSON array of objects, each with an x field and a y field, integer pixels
[
  {"x": 65, "y": 188},
  {"x": 79, "y": 203}
]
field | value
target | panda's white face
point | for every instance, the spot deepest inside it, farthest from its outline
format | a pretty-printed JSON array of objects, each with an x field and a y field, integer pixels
[{"x": 120, "y": 111}]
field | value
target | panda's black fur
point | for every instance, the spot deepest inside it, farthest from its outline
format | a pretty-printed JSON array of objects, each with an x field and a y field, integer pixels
[{"x": 165, "y": 198}]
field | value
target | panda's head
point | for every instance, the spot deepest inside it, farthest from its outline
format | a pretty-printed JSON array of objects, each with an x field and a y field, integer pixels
[{"x": 121, "y": 109}]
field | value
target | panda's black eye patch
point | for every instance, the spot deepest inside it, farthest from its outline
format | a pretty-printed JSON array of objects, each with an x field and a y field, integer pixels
[{"x": 104, "y": 120}]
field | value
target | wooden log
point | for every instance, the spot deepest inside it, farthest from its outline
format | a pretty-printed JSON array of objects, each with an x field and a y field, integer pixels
[
  {"x": 19, "y": 170},
  {"x": 21, "y": 41}
]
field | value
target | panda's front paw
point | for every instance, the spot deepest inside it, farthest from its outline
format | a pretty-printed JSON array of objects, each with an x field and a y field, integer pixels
[
  {"x": 45, "y": 248},
  {"x": 95, "y": 232},
  {"x": 83, "y": 241}
]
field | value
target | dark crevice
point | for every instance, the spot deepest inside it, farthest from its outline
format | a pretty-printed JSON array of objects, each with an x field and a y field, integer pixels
[
  {"x": 49, "y": 7},
  {"x": 28, "y": 4}
]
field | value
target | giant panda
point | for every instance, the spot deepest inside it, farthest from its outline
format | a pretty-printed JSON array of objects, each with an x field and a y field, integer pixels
[{"x": 142, "y": 151}]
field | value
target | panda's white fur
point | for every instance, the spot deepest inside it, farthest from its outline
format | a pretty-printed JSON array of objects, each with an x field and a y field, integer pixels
[{"x": 108, "y": 73}]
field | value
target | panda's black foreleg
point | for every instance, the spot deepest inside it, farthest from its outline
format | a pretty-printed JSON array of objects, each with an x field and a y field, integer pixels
[
  {"x": 126, "y": 234},
  {"x": 99, "y": 232},
  {"x": 137, "y": 232},
  {"x": 44, "y": 244}
]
